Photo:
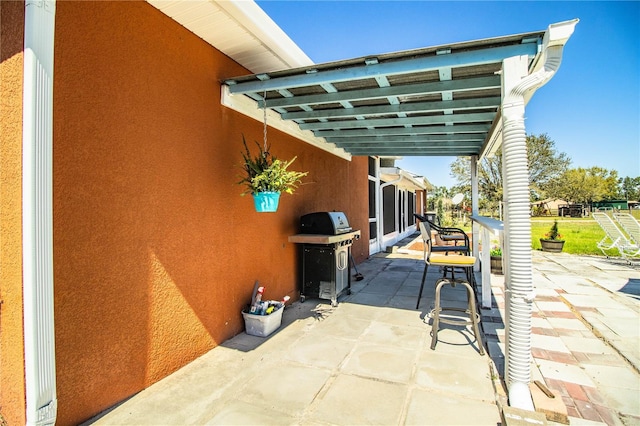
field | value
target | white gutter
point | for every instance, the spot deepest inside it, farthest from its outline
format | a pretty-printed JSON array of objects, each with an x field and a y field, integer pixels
[
  {"x": 518, "y": 86},
  {"x": 37, "y": 213},
  {"x": 401, "y": 175}
]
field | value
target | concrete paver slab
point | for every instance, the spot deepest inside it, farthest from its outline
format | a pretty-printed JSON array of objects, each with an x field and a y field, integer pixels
[
  {"x": 540, "y": 323},
  {"x": 382, "y": 362},
  {"x": 354, "y": 400},
  {"x": 403, "y": 302},
  {"x": 589, "y": 345},
  {"x": 564, "y": 372},
  {"x": 286, "y": 386},
  {"x": 371, "y": 299},
  {"x": 245, "y": 413},
  {"x": 618, "y": 385},
  {"x": 400, "y": 317},
  {"x": 613, "y": 376},
  {"x": 429, "y": 408},
  {"x": 618, "y": 312},
  {"x": 550, "y": 343},
  {"x": 567, "y": 323},
  {"x": 460, "y": 375},
  {"x": 545, "y": 291},
  {"x": 624, "y": 327},
  {"x": 552, "y": 306},
  {"x": 351, "y": 329},
  {"x": 327, "y": 352},
  {"x": 580, "y": 300},
  {"x": 395, "y": 335}
]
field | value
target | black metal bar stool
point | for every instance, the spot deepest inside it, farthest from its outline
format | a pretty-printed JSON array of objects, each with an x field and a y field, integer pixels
[{"x": 442, "y": 314}]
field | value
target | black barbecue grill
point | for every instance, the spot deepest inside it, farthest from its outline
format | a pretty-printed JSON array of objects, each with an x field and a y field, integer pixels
[{"x": 326, "y": 239}]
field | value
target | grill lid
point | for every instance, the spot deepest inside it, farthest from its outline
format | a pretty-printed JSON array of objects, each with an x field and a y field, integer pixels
[{"x": 325, "y": 223}]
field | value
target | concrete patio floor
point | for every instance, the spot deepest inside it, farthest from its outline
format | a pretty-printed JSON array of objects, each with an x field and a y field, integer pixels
[{"x": 368, "y": 361}]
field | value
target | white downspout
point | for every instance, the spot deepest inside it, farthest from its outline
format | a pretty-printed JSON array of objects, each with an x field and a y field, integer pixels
[
  {"x": 517, "y": 85},
  {"x": 37, "y": 213}
]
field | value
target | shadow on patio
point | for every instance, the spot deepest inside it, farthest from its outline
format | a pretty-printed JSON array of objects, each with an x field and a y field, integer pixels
[{"x": 367, "y": 361}]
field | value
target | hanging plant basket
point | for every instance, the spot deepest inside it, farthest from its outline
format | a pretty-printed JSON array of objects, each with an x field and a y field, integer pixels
[
  {"x": 266, "y": 176},
  {"x": 266, "y": 202}
]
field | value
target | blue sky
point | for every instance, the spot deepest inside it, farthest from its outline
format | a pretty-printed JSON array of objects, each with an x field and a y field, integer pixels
[{"x": 591, "y": 107}]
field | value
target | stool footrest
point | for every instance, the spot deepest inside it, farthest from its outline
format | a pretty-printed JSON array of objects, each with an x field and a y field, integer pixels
[
  {"x": 440, "y": 313},
  {"x": 445, "y": 316}
]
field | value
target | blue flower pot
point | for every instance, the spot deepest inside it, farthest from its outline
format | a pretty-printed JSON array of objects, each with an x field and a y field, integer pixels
[{"x": 266, "y": 201}]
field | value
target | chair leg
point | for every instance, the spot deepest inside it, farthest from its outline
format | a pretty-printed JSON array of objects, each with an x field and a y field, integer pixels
[
  {"x": 424, "y": 276},
  {"x": 474, "y": 317},
  {"x": 436, "y": 312}
]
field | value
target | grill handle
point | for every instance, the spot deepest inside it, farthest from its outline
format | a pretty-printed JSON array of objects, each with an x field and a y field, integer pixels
[{"x": 342, "y": 261}]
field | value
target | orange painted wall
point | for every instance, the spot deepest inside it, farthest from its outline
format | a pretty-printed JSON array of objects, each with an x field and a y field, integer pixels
[
  {"x": 155, "y": 252},
  {"x": 12, "y": 396}
]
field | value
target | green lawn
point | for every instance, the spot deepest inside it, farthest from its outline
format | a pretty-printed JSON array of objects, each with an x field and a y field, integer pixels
[{"x": 581, "y": 235}]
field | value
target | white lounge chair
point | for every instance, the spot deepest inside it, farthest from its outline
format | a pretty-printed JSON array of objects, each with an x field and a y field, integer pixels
[
  {"x": 614, "y": 238},
  {"x": 630, "y": 225}
]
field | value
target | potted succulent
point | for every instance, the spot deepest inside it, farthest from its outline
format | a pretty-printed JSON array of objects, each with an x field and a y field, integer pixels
[
  {"x": 266, "y": 177},
  {"x": 552, "y": 242},
  {"x": 496, "y": 260}
]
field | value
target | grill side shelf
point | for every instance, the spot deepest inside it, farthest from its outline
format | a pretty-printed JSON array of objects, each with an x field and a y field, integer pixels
[{"x": 323, "y": 239}]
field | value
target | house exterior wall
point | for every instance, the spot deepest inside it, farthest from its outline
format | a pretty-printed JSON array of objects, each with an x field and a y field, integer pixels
[
  {"x": 12, "y": 388},
  {"x": 155, "y": 252}
]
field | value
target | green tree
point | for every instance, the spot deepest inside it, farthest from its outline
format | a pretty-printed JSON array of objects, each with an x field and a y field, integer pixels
[
  {"x": 585, "y": 185},
  {"x": 630, "y": 188},
  {"x": 438, "y": 193},
  {"x": 544, "y": 162}
]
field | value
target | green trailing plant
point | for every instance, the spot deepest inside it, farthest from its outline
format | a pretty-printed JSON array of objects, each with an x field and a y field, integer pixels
[
  {"x": 553, "y": 233},
  {"x": 496, "y": 252},
  {"x": 266, "y": 173}
]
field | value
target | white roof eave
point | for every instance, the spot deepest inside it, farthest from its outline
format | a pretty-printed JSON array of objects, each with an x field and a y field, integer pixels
[
  {"x": 404, "y": 179},
  {"x": 240, "y": 29}
]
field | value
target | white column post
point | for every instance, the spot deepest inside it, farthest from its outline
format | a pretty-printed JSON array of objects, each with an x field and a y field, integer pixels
[{"x": 474, "y": 207}]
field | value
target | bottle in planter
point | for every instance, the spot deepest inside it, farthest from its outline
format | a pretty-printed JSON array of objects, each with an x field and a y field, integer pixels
[
  {"x": 256, "y": 306},
  {"x": 281, "y": 304}
]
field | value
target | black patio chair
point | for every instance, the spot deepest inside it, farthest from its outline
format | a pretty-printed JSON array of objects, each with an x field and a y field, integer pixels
[{"x": 447, "y": 235}]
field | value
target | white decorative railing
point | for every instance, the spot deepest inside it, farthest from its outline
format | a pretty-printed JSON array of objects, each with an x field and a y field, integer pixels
[{"x": 496, "y": 227}]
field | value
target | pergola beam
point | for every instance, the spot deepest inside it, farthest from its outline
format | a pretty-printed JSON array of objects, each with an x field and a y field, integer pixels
[
  {"x": 406, "y": 66},
  {"x": 480, "y": 117},
  {"x": 409, "y": 107},
  {"x": 467, "y": 84}
]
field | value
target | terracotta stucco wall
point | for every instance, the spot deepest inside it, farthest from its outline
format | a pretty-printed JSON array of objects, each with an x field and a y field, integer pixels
[
  {"x": 155, "y": 252},
  {"x": 12, "y": 403}
]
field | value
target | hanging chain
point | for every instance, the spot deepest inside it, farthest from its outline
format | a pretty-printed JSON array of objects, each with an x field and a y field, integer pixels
[{"x": 264, "y": 106}]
